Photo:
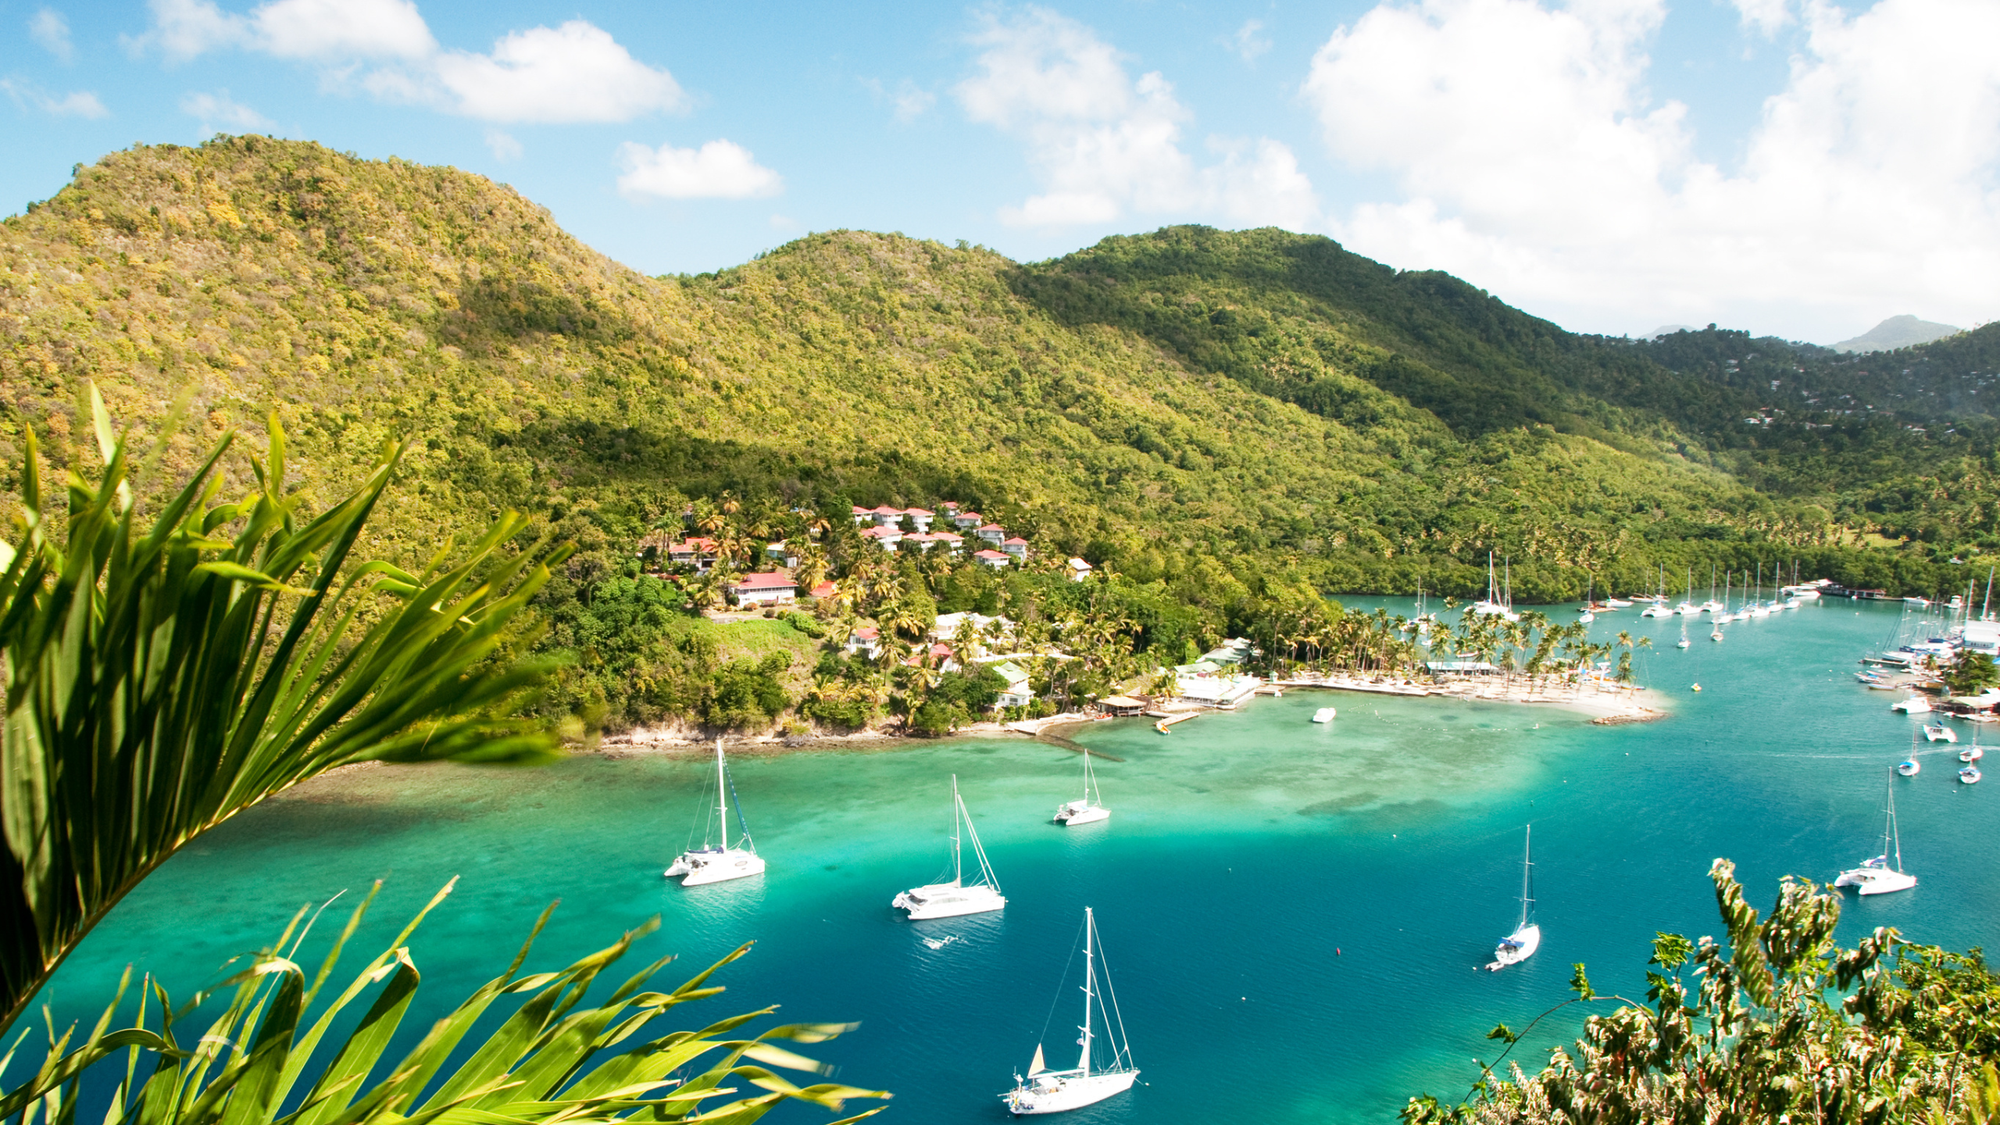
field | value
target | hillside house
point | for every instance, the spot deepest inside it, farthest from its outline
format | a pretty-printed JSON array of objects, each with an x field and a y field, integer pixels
[
  {"x": 782, "y": 555},
  {"x": 919, "y": 518},
  {"x": 885, "y": 535},
  {"x": 998, "y": 560},
  {"x": 696, "y": 552},
  {"x": 768, "y": 588},
  {"x": 993, "y": 533},
  {"x": 824, "y": 590},
  {"x": 865, "y": 640},
  {"x": 1017, "y": 547},
  {"x": 1017, "y": 693},
  {"x": 1078, "y": 570},
  {"x": 966, "y": 521}
]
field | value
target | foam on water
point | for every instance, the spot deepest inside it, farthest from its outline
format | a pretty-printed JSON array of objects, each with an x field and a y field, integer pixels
[{"x": 1294, "y": 913}]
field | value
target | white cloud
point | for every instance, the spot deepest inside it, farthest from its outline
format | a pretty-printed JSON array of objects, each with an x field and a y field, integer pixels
[
  {"x": 1530, "y": 160},
  {"x": 1103, "y": 143},
  {"x": 50, "y": 31},
  {"x": 575, "y": 72},
  {"x": 1249, "y": 41},
  {"x": 912, "y": 102},
  {"x": 1766, "y": 16},
  {"x": 342, "y": 29},
  {"x": 219, "y": 113},
  {"x": 28, "y": 96},
  {"x": 717, "y": 170},
  {"x": 502, "y": 145}
]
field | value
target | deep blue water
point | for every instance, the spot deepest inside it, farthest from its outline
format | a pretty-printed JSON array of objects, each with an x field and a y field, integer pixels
[{"x": 1293, "y": 914}]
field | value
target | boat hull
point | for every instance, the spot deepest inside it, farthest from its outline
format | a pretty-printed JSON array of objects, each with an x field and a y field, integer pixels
[
  {"x": 1076, "y": 812},
  {"x": 696, "y": 869},
  {"x": 1876, "y": 880},
  {"x": 1324, "y": 715},
  {"x": 947, "y": 900},
  {"x": 1969, "y": 775},
  {"x": 1516, "y": 947},
  {"x": 1910, "y": 768},
  {"x": 1060, "y": 1093}
]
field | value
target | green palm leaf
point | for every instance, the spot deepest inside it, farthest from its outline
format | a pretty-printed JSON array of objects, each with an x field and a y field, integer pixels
[
  {"x": 166, "y": 670},
  {"x": 553, "y": 1060}
]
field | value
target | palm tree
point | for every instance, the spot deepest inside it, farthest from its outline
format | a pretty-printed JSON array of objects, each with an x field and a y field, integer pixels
[{"x": 161, "y": 679}]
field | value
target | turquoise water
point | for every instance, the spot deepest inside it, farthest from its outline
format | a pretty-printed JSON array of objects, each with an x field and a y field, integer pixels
[{"x": 1293, "y": 914}]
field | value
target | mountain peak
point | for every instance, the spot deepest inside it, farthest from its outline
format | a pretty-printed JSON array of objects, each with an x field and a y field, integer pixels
[{"x": 1904, "y": 331}]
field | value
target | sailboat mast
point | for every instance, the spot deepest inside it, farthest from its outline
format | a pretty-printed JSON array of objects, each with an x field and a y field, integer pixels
[
  {"x": 1527, "y": 876},
  {"x": 1089, "y": 975},
  {"x": 722, "y": 792},
  {"x": 1895, "y": 834},
  {"x": 957, "y": 814}
]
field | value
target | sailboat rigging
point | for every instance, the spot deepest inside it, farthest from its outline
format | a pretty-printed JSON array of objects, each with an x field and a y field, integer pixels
[
  {"x": 1057, "y": 1091},
  {"x": 1527, "y": 937},
  {"x": 949, "y": 900},
  {"x": 723, "y": 861},
  {"x": 1875, "y": 876},
  {"x": 1089, "y": 809}
]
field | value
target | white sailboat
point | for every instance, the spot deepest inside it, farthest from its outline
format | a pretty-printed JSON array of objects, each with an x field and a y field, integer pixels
[
  {"x": 1058, "y": 1091},
  {"x": 1527, "y": 937},
  {"x": 949, "y": 900},
  {"x": 1684, "y": 642},
  {"x": 1493, "y": 604},
  {"x": 1089, "y": 809},
  {"x": 723, "y": 861},
  {"x": 1875, "y": 876}
]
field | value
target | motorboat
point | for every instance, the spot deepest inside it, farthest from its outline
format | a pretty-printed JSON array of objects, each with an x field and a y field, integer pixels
[
  {"x": 1968, "y": 775},
  {"x": 1916, "y": 601},
  {"x": 949, "y": 900},
  {"x": 1875, "y": 876},
  {"x": 1527, "y": 936},
  {"x": 1909, "y": 767},
  {"x": 723, "y": 860},
  {"x": 1914, "y": 705},
  {"x": 1088, "y": 809},
  {"x": 1091, "y": 1081},
  {"x": 1657, "y": 609},
  {"x": 1617, "y": 603},
  {"x": 1324, "y": 715},
  {"x": 1938, "y": 732},
  {"x": 1586, "y": 617}
]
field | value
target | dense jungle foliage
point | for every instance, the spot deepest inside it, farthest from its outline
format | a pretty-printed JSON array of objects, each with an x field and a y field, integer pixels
[{"x": 1218, "y": 420}]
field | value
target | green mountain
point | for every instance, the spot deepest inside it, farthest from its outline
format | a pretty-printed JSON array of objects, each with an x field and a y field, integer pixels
[
  {"x": 1262, "y": 400},
  {"x": 1897, "y": 332}
]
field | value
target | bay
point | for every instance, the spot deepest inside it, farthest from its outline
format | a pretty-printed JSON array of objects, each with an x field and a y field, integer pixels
[{"x": 1294, "y": 915}]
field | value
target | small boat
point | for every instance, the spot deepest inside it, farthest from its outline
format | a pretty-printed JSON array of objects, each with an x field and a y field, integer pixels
[
  {"x": 1657, "y": 609},
  {"x": 1527, "y": 937},
  {"x": 1938, "y": 732},
  {"x": 1586, "y": 617},
  {"x": 1875, "y": 876},
  {"x": 1089, "y": 1082},
  {"x": 1914, "y": 705},
  {"x": 1617, "y": 603},
  {"x": 1683, "y": 642},
  {"x": 1969, "y": 775},
  {"x": 949, "y": 900},
  {"x": 1916, "y": 601},
  {"x": 722, "y": 862},
  {"x": 1971, "y": 753},
  {"x": 1324, "y": 715},
  {"x": 1090, "y": 808},
  {"x": 1909, "y": 767}
]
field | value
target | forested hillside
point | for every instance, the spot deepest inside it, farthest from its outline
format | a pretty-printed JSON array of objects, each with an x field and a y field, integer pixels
[{"x": 1261, "y": 402}]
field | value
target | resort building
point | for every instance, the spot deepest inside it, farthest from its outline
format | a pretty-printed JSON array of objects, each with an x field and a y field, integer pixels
[
  {"x": 867, "y": 639},
  {"x": 998, "y": 560},
  {"x": 966, "y": 521},
  {"x": 765, "y": 589},
  {"x": 693, "y": 551},
  {"x": 993, "y": 533},
  {"x": 1017, "y": 547},
  {"x": 885, "y": 534},
  {"x": 1079, "y": 570}
]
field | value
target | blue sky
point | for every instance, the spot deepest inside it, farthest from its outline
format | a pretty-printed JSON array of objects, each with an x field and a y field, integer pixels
[{"x": 1798, "y": 167}]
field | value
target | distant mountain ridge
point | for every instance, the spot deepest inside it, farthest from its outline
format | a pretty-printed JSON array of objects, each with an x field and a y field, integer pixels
[{"x": 1897, "y": 332}]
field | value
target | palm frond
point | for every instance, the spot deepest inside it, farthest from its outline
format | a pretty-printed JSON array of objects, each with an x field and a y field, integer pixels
[
  {"x": 555, "y": 1060},
  {"x": 163, "y": 674}
]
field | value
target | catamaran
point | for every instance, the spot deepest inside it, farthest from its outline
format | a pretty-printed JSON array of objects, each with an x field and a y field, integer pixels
[
  {"x": 723, "y": 861},
  {"x": 1089, "y": 1082},
  {"x": 1090, "y": 807},
  {"x": 1527, "y": 937},
  {"x": 1875, "y": 876},
  {"x": 949, "y": 900}
]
